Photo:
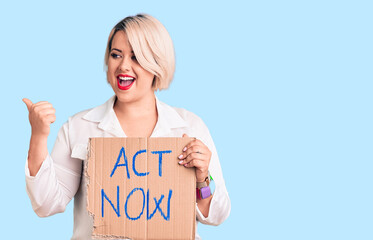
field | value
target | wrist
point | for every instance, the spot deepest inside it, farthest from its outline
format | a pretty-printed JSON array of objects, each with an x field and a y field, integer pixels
[
  {"x": 38, "y": 136},
  {"x": 38, "y": 141},
  {"x": 199, "y": 180},
  {"x": 38, "y": 149},
  {"x": 202, "y": 177}
]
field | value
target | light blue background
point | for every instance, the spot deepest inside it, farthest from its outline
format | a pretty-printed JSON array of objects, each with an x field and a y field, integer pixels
[{"x": 285, "y": 88}]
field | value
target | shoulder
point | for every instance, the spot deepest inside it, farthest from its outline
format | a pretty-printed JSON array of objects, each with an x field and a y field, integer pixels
[
  {"x": 195, "y": 126},
  {"x": 188, "y": 118}
]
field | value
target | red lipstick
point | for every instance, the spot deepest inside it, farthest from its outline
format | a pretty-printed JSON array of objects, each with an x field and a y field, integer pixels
[{"x": 125, "y": 81}]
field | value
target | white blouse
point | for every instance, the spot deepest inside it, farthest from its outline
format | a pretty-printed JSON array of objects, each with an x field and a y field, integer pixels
[{"x": 60, "y": 177}]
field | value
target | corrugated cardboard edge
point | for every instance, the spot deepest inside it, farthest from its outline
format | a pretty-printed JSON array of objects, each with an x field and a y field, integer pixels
[
  {"x": 86, "y": 175},
  {"x": 100, "y": 236}
]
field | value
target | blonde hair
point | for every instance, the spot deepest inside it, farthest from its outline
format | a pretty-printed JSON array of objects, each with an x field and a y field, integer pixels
[{"x": 151, "y": 44}]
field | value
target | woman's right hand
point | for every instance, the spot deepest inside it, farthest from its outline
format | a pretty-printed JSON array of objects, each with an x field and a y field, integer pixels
[{"x": 41, "y": 115}]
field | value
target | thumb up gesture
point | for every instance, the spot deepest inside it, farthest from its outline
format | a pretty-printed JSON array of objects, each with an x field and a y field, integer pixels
[{"x": 41, "y": 115}]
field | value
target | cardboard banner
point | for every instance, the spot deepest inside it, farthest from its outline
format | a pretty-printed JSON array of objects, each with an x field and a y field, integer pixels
[{"x": 137, "y": 189}]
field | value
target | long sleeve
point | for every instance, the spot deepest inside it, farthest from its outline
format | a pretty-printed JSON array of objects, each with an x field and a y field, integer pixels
[
  {"x": 57, "y": 180},
  {"x": 220, "y": 205}
]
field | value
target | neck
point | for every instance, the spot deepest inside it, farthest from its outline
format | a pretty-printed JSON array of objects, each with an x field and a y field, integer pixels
[{"x": 136, "y": 109}]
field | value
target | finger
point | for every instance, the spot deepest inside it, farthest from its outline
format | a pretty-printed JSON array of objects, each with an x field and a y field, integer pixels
[
  {"x": 41, "y": 103},
  {"x": 191, "y": 157},
  {"x": 47, "y": 111},
  {"x": 28, "y": 103},
  {"x": 43, "y": 106},
  {"x": 185, "y": 135},
  {"x": 195, "y": 148},
  {"x": 197, "y": 163},
  {"x": 51, "y": 118},
  {"x": 192, "y": 143}
]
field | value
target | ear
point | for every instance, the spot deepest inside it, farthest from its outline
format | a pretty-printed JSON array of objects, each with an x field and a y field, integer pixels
[{"x": 154, "y": 83}]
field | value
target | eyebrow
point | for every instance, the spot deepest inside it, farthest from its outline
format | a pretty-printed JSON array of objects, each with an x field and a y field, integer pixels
[{"x": 118, "y": 50}]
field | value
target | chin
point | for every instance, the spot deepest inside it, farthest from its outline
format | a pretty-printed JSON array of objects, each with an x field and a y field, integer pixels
[{"x": 124, "y": 97}]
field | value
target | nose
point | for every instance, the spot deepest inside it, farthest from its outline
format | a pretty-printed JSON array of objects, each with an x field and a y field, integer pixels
[{"x": 125, "y": 65}]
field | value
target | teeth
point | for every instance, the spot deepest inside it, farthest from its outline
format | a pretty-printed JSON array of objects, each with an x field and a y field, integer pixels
[{"x": 126, "y": 78}]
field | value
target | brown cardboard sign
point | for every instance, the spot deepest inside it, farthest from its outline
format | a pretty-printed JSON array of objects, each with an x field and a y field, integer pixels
[{"x": 137, "y": 189}]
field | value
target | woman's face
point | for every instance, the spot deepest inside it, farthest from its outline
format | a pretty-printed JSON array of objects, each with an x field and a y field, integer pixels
[{"x": 128, "y": 79}]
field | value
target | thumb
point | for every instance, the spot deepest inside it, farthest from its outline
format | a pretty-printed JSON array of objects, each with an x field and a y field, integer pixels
[
  {"x": 28, "y": 103},
  {"x": 185, "y": 135}
]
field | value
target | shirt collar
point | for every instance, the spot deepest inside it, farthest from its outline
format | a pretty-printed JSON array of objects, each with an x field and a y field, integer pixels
[{"x": 104, "y": 115}]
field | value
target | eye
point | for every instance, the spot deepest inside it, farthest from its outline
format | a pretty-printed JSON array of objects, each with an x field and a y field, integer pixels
[
  {"x": 134, "y": 58},
  {"x": 114, "y": 55}
]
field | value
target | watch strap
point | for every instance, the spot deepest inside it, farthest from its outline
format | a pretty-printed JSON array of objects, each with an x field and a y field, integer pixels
[
  {"x": 204, "y": 183},
  {"x": 203, "y": 193}
]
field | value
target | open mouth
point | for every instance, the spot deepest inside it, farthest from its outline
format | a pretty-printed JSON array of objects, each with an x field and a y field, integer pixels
[{"x": 125, "y": 82}]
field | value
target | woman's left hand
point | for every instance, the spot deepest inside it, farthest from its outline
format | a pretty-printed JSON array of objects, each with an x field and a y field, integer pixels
[{"x": 196, "y": 154}]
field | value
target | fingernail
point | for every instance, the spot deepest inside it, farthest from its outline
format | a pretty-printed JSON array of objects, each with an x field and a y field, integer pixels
[
  {"x": 184, "y": 149},
  {"x": 181, "y": 162},
  {"x": 185, "y": 164},
  {"x": 180, "y": 156}
]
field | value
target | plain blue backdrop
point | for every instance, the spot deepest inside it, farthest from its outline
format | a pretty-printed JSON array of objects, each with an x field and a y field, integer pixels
[{"x": 285, "y": 88}]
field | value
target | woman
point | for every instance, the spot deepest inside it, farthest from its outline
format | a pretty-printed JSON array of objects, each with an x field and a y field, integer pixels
[{"x": 139, "y": 60}]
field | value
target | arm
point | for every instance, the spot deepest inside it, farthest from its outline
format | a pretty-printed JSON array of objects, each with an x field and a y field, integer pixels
[
  {"x": 197, "y": 154},
  {"x": 51, "y": 180},
  {"x": 219, "y": 204},
  {"x": 41, "y": 115},
  {"x": 201, "y": 153}
]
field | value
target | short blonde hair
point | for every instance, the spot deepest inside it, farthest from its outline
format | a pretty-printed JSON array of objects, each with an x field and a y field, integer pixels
[{"x": 151, "y": 44}]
